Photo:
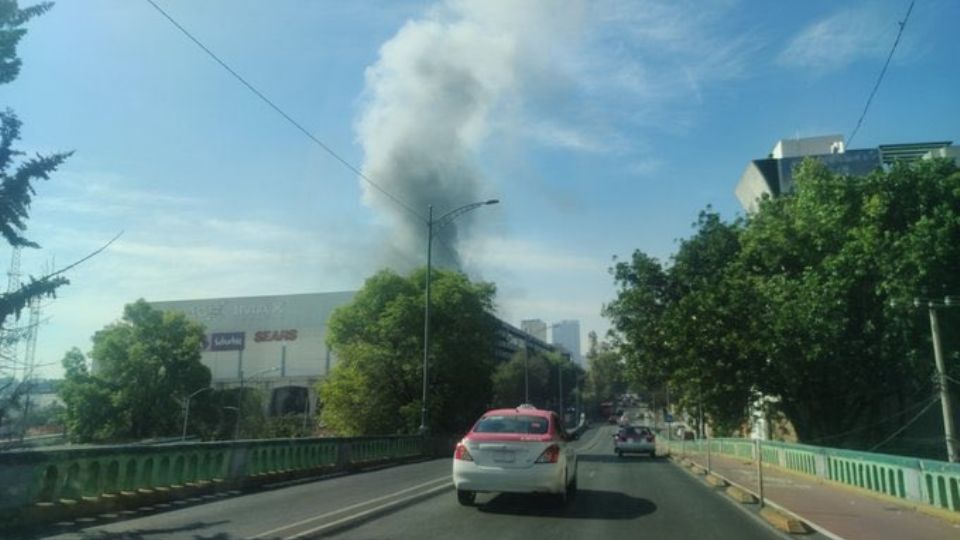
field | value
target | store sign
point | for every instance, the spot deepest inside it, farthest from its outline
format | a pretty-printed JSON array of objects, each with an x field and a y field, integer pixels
[
  {"x": 275, "y": 335},
  {"x": 227, "y": 341}
]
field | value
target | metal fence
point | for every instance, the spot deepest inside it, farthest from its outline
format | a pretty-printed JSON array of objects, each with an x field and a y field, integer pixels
[
  {"x": 922, "y": 481},
  {"x": 130, "y": 475}
]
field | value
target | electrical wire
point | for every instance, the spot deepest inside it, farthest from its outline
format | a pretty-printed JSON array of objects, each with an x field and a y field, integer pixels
[
  {"x": 284, "y": 114},
  {"x": 905, "y": 426},
  {"x": 883, "y": 72},
  {"x": 877, "y": 423}
]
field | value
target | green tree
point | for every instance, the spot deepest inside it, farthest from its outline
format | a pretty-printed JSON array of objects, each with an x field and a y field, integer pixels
[
  {"x": 17, "y": 179},
  {"x": 606, "y": 373},
  {"x": 688, "y": 326},
  {"x": 145, "y": 365},
  {"x": 826, "y": 263},
  {"x": 510, "y": 380},
  {"x": 90, "y": 412},
  {"x": 794, "y": 303},
  {"x": 375, "y": 386}
]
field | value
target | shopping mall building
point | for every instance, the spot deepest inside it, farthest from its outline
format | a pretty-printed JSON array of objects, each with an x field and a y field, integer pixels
[{"x": 277, "y": 344}]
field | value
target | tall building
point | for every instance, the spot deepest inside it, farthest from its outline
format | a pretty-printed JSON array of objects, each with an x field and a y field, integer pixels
[
  {"x": 567, "y": 335},
  {"x": 773, "y": 175},
  {"x": 535, "y": 327}
]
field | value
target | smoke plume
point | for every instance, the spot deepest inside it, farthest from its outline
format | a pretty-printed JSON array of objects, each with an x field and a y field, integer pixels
[{"x": 429, "y": 100}]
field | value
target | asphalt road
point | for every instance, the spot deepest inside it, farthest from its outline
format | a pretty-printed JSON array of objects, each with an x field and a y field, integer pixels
[{"x": 618, "y": 498}]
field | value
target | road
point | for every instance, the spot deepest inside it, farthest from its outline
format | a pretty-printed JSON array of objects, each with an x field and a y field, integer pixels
[{"x": 618, "y": 498}]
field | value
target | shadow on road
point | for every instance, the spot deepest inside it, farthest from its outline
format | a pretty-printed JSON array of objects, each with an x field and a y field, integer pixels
[
  {"x": 587, "y": 504},
  {"x": 133, "y": 534},
  {"x": 613, "y": 458}
]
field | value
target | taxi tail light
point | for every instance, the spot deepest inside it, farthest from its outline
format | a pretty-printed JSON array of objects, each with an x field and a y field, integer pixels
[
  {"x": 651, "y": 437},
  {"x": 462, "y": 453},
  {"x": 550, "y": 455}
]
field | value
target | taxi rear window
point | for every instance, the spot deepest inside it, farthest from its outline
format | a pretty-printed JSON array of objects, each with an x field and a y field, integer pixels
[{"x": 519, "y": 423}]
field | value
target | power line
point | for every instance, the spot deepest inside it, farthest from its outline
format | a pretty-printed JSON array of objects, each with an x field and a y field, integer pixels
[
  {"x": 877, "y": 423},
  {"x": 283, "y": 113},
  {"x": 883, "y": 71},
  {"x": 905, "y": 426}
]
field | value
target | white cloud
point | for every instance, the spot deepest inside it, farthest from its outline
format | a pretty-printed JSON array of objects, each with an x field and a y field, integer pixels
[{"x": 841, "y": 39}]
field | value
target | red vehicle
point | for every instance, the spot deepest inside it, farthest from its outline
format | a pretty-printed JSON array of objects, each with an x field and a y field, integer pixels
[{"x": 606, "y": 409}]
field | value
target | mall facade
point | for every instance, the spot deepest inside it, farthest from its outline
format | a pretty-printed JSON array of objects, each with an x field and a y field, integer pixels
[{"x": 277, "y": 344}]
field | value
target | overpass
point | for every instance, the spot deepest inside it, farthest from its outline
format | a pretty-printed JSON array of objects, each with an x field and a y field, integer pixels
[{"x": 399, "y": 487}]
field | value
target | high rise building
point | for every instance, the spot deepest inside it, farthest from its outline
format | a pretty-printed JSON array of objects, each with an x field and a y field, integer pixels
[
  {"x": 567, "y": 335},
  {"x": 535, "y": 327},
  {"x": 773, "y": 175}
]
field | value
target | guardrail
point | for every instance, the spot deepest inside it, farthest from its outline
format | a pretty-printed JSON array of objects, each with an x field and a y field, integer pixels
[
  {"x": 922, "y": 481},
  {"x": 37, "y": 485}
]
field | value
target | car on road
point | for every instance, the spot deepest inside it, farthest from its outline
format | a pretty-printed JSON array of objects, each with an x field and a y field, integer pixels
[
  {"x": 635, "y": 440},
  {"x": 519, "y": 450}
]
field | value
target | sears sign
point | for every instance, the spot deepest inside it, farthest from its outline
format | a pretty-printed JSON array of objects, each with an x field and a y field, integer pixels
[{"x": 225, "y": 341}]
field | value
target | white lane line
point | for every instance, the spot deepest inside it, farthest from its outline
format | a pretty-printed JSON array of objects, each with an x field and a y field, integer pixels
[
  {"x": 359, "y": 515},
  {"x": 351, "y": 507}
]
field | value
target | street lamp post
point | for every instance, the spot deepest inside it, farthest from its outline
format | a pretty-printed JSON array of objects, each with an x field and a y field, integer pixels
[
  {"x": 186, "y": 411},
  {"x": 438, "y": 223}
]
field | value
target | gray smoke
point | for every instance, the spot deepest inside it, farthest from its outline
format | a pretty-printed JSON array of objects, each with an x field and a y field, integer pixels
[{"x": 429, "y": 100}]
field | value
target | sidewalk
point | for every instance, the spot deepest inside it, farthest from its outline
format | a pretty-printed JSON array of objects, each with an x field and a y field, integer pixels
[{"x": 845, "y": 512}]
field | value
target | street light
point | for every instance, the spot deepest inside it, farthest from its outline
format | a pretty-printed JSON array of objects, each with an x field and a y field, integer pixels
[
  {"x": 438, "y": 223},
  {"x": 186, "y": 412}
]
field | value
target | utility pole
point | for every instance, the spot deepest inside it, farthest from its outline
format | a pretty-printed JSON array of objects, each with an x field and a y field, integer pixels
[
  {"x": 946, "y": 403},
  {"x": 526, "y": 375},
  {"x": 426, "y": 321}
]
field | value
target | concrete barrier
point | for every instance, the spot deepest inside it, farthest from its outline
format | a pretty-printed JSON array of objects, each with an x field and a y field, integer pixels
[{"x": 55, "y": 485}]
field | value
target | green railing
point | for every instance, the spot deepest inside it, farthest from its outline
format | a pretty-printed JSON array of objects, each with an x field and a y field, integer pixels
[
  {"x": 32, "y": 478},
  {"x": 923, "y": 481}
]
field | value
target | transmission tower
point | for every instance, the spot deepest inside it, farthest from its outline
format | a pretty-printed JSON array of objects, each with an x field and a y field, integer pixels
[{"x": 9, "y": 360}]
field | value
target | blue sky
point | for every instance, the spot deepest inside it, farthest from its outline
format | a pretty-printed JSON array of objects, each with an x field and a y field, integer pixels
[{"x": 603, "y": 127}]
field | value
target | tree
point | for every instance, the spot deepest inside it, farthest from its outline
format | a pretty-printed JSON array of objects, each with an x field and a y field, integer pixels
[
  {"x": 510, "y": 380},
  {"x": 826, "y": 263},
  {"x": 606, "y": 373},
  {"x": 687, "y": 327},
  {"x": 794, "y": 304},
  {"x": 145, "y": 365},
  {"x": 90, "y": 414},
  {"x": 375, "y": 387},
  {"x": 17, "y": 179}
]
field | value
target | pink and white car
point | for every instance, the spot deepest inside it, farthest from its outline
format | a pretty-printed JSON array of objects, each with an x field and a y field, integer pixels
[{"x": 521, "y": 450}]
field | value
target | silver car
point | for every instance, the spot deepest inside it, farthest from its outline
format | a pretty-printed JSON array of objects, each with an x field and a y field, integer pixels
[{"x": 635, "y": 439}]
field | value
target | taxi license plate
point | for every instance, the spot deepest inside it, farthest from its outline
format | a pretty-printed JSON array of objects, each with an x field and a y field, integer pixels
[{"x": 503, "y": 456}]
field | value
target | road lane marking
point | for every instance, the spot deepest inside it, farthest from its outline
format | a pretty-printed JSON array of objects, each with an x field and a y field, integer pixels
[
  {"x": 351, "y": 507},
  {"x": 380, "y": 508}
]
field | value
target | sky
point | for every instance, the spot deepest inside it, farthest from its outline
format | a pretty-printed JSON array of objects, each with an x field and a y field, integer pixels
[{"x": 603, "y": 127}]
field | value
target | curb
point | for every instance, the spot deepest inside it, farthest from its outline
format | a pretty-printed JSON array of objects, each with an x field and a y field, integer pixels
[
  {"x": 715, "y": 480},
  {"x": 784, "y": 522},
  {"x": 776, "y": 515},
  {"x": 740, "y": 495}
]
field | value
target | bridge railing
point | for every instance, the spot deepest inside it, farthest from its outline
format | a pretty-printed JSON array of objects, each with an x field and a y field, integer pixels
[
  {"x": 923, "y": 481},
  {"x": 129, "y": 475}
]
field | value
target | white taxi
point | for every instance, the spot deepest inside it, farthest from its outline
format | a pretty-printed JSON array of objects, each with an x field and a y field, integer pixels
[{"x": 521, "y": 450}]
